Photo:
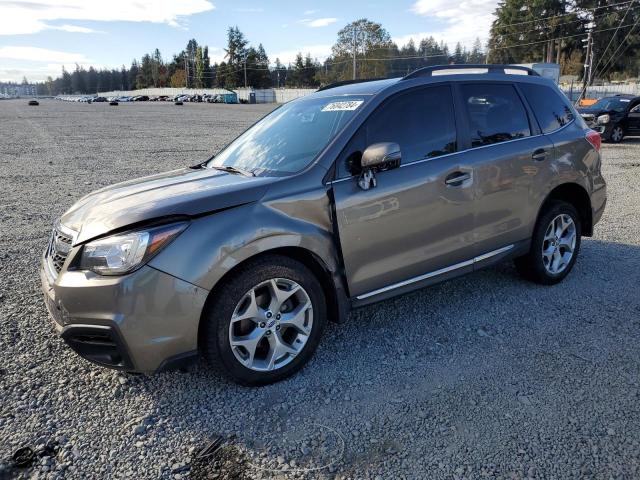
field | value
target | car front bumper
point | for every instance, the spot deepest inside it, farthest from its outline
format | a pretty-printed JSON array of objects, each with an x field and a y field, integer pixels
[
  {"x": 146, "y": 321},
  {"x": 603, "y": 130}
]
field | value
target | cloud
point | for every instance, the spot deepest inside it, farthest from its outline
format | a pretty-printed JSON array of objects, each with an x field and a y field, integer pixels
[
  {"x": 217, "y": 54},
  {"x": 310, "y": 12},
  {"x": 36, "y": 54},
  {"x": 29, "y": 16},
  {"x": 318, "y": 22},
  {"x": 320, "y": 52},
  {"x": 73, "y": 29},
  {"x": 463, "y": 22}
]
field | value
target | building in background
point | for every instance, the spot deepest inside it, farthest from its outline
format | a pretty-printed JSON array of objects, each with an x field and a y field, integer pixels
[{"x": 10, "y": 89}]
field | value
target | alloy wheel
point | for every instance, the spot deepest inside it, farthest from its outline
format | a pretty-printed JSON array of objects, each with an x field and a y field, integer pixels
[
  {"x": 617, "y": 134},
  {"x": 559, "y": 244},
  {"x": 271, "y": 324}
]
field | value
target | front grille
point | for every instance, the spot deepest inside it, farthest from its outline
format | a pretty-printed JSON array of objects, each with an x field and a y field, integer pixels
[{"x": 59, "y": 248}]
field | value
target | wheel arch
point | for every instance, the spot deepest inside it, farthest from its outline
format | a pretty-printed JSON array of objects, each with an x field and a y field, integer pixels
[
  {"x": 576, "y": 195},
  {"x": 331, "y": 281}
]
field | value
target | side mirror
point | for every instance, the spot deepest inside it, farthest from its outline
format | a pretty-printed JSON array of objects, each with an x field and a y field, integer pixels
[
  {"x": 384, "y": 155},
  {"x": 379, "y": 156}
]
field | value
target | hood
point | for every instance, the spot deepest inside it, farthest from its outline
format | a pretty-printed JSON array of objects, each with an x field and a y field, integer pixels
[
  {"x": 594, "y": 111},
  {"x": 180, "y": 192}
]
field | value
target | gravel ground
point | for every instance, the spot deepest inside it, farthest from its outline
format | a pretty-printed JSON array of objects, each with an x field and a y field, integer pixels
[{"x": 486, "y": 376}]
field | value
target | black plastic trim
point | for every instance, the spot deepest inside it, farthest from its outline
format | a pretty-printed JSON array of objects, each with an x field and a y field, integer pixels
[
  {"x": 176, "y": 362},
  {"x": 99, "y": 344}
]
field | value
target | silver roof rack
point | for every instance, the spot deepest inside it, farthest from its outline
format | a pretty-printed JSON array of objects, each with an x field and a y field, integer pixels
[{"x": 490, "y": 68}]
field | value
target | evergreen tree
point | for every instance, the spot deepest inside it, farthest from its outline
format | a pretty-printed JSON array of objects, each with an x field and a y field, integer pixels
[
  {"x": 66, "y": 86},
  {"x": 133, "y": 75},
  {"x": 156, "y": 68},
  {"x": 208, "y": 73},
  {"x": 199, "y": 68},
  {"x": 78, "y": 80}
]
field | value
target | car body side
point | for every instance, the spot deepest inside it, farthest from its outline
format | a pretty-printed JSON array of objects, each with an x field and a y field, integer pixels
[{"x": 296, "y": 215}]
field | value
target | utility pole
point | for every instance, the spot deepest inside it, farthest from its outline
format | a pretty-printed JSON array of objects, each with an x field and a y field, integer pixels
[
  {"x": 588, "y": 64},
  {"x": 186, "y": 72},
  {"x": 245, "y": 69},
  {"x": 354, "y": 53}
]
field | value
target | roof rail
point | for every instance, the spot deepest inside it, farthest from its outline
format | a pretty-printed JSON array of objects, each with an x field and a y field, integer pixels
[
  {"x": 347, "y": 82},
  {"x": 489, "y": 67}
]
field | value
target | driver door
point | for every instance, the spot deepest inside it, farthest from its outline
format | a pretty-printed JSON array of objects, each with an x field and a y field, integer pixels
[
  {"x": 633, "y": 122},
  {"x": 418, "y": 221}
]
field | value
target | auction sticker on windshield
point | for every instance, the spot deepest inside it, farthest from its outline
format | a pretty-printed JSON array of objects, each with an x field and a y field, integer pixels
[{"x": 342, "y": 106}]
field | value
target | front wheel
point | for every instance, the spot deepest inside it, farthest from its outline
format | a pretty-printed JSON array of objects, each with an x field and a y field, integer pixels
[
  {"x": 617, "y": 134},
  {"x": 265, "y": 322},
  {"x": 554, "y": 245}
]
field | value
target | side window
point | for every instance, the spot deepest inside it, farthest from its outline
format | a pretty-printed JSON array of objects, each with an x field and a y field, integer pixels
[
  {"x": 496, "y": 113},
  {"x": 420, "y": 121},
  {"x": 551, "y": 110},
  {"x": 635, "y": 109}
]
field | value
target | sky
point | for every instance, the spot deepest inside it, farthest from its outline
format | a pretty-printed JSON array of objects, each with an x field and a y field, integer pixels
[{"x": 38, "y": 37}]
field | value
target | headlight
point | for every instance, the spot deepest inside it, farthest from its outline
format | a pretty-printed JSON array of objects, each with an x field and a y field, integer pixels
[
  {"x": 125, "y": 252},
  {"x": 602, "y": 119}
]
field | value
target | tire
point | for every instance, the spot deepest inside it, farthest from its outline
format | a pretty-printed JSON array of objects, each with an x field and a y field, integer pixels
[
  {"x": 538, "y": 267},
  {"x": 234, "y": 300},
  {"x": 617, "y": 134}
]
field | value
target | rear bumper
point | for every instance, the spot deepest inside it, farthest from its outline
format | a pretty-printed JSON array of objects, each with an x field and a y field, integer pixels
[{"x": 145, "y": 321}]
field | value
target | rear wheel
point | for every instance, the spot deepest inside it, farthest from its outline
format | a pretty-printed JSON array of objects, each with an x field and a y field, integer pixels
[
  {"x": 265, "y": 322},
  {"x": 554, "y": 245}
]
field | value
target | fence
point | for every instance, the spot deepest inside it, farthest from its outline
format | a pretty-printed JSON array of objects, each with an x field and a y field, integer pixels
[
  {"x": 266, "y": 95},
  {"x": 163, "y": 91},
  {"x": 599, "y": 91}
]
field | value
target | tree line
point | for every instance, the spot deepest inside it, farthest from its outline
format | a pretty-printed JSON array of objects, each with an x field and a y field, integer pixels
[
  {"x": 243, "y": 64},
  {"x": 522, "y": 32}
]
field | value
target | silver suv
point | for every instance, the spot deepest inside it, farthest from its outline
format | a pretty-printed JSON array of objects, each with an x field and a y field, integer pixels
[{"x": 349, "y": 196}]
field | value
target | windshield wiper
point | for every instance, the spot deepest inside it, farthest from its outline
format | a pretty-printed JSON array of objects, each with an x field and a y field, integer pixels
[{"x": 231, "y": 169}]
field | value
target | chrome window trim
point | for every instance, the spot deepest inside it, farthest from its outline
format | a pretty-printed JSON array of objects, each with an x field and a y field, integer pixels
[
  {"x": 436, "y": 273},
  {"x": 422, "y": 160}
]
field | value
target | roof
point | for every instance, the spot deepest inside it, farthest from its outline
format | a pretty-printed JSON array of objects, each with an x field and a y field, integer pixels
[
  {"x": 425, "y": 75},
  {"x": 359, "y": 88}
]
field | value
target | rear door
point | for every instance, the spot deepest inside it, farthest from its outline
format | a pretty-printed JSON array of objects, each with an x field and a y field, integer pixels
[
  {"x": 508, "y": 153},
  {"x": 415, "y": 221}
]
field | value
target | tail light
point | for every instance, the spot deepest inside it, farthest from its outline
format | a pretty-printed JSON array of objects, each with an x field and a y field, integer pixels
[{"x": 594, "y": 139}]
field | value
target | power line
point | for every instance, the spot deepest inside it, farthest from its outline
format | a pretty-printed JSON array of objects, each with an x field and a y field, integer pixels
[
  {"x": 560, "y": 38},
  {"x": 614, "y": 35},
  {"x": 564, "y": 23},
  {"x": 569, "y": 13},
  {"x": 610, "y": 62}
]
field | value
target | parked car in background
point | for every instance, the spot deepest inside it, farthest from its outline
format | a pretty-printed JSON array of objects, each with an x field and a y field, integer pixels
[
  {"x": 349, "y": 196},
  {"x": 614, "y": 117}
]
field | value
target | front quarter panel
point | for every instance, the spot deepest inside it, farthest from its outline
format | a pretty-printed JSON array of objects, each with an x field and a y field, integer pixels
[{"x": 215, "y": 244}]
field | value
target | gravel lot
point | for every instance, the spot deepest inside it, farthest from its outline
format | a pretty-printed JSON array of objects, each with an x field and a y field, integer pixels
[{"x": 485, "y": 376}]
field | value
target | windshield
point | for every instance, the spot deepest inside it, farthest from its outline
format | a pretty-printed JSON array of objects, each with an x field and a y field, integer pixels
[
  {"x": 288, "y": 139},
  {"x": 612, "y": 103}
]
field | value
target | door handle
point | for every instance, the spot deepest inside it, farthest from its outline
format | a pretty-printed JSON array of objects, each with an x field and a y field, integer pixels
[
  {"x": 456, "y": 179},
  {"x": 540, "y": 154}
]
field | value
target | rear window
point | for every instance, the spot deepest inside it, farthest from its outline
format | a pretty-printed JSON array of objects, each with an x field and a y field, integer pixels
[
  {"x": 496, "y": 113},
  {"x": 551, "y": 110}
]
